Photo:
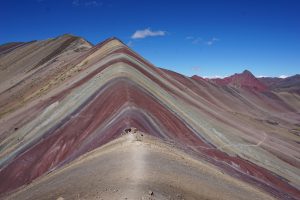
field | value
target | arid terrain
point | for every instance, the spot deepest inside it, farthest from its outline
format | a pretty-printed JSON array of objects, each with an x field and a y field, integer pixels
[{"x": 84, "y": 121}]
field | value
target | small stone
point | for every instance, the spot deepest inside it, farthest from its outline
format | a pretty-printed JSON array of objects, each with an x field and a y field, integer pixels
[
  {"x": 128, "y": 130},
  {"x": 150, "y": 193}
]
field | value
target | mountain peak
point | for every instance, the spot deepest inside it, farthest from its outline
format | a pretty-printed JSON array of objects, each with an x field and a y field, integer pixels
[
  {"x": 243, "y": 80},
  {"x": 247, "y": 72}
]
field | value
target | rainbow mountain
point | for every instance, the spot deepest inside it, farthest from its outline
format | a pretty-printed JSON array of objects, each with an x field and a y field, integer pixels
[{"x": 80, "y": 121}]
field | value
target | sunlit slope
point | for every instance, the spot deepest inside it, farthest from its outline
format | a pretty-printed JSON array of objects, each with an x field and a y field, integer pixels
[{"x": 99, "y": 92}]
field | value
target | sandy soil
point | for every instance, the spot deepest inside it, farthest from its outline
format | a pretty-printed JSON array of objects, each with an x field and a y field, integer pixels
[{"x": 138, "y": 166}]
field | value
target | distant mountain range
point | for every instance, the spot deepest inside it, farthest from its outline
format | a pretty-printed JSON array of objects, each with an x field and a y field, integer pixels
[
  {"x": 83, "y": 121},
  {"x": 291, "y": 84},
  {"x": 247, "y": 80}
]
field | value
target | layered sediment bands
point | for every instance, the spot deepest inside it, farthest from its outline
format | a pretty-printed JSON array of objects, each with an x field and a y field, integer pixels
[
  {"x": 6, "y": 48},
  {"x": 243, "y": 132},
  {"x": 29, "y": 70}
]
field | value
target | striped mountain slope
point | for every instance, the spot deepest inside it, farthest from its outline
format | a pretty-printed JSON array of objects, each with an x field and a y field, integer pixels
[{"x": 62, "y": 98}]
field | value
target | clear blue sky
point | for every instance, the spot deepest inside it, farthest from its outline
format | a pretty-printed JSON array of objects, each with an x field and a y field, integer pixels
[{"x": 207, "y": 38}]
